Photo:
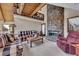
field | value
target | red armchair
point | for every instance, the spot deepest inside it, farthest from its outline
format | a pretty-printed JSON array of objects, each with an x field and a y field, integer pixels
[
  {"x": 66, "y": 43},
  {"x": 62, "y": 43}
]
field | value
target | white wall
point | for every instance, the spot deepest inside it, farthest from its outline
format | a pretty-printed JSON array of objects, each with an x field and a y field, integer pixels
[
  {"x": 44, "y": 11},
  {"x": 68, "y": 13},
  {"x": 45, "y": 18},
  {"x": 27, "y": 23},
  {"x": 24, "y": 24}
]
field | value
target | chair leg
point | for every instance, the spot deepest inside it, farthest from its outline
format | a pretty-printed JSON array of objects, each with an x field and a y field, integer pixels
[
  {"x": 27, "y": 41},
  {"x": 31, "y": 44},
  {"x": 42, "y": 40}
]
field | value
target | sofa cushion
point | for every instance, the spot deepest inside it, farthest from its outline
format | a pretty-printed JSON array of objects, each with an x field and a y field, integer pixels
[
  {"x": 73, "y": 37},
  {"x": 73, "y": 34}
]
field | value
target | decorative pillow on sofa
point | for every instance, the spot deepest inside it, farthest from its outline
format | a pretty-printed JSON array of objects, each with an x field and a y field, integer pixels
[
  {"x": 2, "y": 42},
  {"x": 10, "y": 37},
  {"x": 36, "y": 35}
]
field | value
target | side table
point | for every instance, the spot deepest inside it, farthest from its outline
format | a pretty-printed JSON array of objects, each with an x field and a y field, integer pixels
[{"x": 19, "y": 50}]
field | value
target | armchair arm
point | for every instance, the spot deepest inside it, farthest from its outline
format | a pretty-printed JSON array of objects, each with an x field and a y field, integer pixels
[
  {"x": 74, "y": 43},
  {"x": 61, "y": 37}
]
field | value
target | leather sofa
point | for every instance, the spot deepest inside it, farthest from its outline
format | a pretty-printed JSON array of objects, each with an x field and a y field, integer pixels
[
  {"x": 23, "y": 35},
  {"x": 6, "y": 39},
  {"x": 9, "y": 44},
  {"x": 66, "y": 43}
]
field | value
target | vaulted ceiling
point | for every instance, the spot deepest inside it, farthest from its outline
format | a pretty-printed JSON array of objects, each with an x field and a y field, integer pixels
[
  {"x": 25, "y": 9},
  {"x": 29, "y": 9}
]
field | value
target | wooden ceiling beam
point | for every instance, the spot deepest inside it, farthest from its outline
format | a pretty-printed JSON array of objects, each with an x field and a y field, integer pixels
[
  {"x": 29, "y": 8},
  {"x": 21, "y": 6},
  {"x": 37, "y": 9}
]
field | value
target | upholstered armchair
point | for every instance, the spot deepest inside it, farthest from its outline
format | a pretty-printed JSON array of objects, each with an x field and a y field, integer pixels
[
  {"x": 66, "y": 43},
  {"x": 62, "y": 43}
]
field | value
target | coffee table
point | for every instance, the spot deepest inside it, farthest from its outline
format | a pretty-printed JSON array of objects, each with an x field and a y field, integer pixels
[{"x": 33, "y": 39}]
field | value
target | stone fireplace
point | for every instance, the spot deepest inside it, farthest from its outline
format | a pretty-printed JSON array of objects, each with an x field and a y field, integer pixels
[{"x": 55, "y": 20}]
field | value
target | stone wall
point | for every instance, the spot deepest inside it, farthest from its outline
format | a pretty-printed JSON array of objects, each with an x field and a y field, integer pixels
[{"x": 55, "y": 18}]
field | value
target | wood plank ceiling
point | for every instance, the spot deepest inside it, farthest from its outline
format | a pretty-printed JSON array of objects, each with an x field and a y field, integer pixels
[
  {"x": 7, "y": 11},
  {"x": 29, "y": 8},
  {"x": 25, "y": 9}
]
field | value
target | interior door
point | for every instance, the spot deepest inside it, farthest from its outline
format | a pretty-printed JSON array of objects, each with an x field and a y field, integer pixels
[{"x": 43, "y": 29}]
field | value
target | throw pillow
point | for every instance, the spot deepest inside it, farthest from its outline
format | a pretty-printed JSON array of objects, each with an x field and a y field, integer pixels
[
  {"x": 10, "y": 37},
  {"x": 2, "y": 42}
]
